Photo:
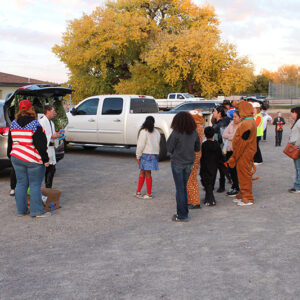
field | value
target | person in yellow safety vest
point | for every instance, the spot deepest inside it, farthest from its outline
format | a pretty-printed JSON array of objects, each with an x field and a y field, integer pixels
[{"x": 260, "y": 131}]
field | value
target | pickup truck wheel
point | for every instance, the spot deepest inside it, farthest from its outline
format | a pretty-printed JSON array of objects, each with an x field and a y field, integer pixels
[
  {"x": 66, "y": 147},
  {"x": 163, "y": 148}
]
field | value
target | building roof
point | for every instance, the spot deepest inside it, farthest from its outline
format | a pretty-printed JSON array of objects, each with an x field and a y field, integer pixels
[{"x": 9, "y": 79}]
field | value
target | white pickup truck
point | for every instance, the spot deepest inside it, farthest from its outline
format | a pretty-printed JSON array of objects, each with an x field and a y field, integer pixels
[
  {"x": 175, "y": 99},
  {"x": 115, "y": 120}
]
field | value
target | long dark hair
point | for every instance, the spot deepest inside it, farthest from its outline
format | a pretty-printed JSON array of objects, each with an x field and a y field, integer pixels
[
  {"x": 183, "y": 122},
  {"x": 148, "y": 124},
  {"x": 297, "y": 111}
]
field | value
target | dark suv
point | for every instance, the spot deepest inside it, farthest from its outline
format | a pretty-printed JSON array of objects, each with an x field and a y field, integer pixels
[{"x": 39, "y": 95}]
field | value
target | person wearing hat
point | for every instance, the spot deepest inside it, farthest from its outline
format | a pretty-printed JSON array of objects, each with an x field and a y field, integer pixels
[
  {"x": 259, "y": 132},
  {"x": 27, "y": 149}
]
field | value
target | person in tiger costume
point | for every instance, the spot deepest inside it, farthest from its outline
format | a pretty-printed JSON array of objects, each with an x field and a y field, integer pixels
[{"x": 192, "y": 185}]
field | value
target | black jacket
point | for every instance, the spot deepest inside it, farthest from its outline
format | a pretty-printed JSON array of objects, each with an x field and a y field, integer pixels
[
  {"x": 219, "y": 127},
  {"x": 211, "y": 159}
]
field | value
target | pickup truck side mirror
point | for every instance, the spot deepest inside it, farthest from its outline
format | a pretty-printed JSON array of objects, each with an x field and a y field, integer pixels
[{"x": 73, "y": 111}]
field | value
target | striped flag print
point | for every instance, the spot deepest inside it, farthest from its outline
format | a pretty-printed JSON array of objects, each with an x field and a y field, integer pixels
[{"x": 22, "y": 146}]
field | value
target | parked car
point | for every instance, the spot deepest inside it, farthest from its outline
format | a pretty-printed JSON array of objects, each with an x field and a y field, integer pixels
[
  {"x": 40, "y": 93},
  {"x": 206, "y": 107},
  {"x": 4, "y": 129},
  {"x": 260, "y": 99},
  {"x": 115, "y": 120},
  {"x": 174, "y": 99}
]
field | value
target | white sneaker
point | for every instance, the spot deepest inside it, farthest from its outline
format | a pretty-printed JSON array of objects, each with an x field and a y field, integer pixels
[
  {"x": 146, "y": 197},
  {"x": 235, "y": 200},
  {"x": 241, "y": 203},
  {"x": 257, "y": 164}
]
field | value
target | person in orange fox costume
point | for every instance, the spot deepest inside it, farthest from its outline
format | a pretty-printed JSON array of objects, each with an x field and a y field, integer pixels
[
  {"x": 192, "y": 185},
  {"x": 244, "y": 149}
]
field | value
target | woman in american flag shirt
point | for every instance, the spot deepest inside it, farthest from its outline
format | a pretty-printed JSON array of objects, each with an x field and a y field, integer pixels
[{"x": 27, "y": 149}]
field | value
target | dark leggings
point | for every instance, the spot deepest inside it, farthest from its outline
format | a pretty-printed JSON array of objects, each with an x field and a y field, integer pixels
[
  {"x": 13, "y": 178},
  {"x": 233, "y": 173},
  {"x": 257, "y": 156},
  {"x": 50, "y": 171}
]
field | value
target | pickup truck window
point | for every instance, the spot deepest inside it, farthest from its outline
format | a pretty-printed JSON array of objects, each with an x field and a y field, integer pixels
[
  {"x": 112, "y": 106},
  {"x": 143, "y": 106},
  {"x": 172, "y": 96},
  {"x": 88, "y": 107}
]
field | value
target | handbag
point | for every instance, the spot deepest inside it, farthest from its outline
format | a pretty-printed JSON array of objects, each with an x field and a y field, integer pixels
[{"x": 291, "y": 151}]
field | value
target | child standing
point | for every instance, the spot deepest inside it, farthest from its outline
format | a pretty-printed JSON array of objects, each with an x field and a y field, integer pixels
[
  {"x": 211, "y": 160},
  {"x": 147, "y": 151}
]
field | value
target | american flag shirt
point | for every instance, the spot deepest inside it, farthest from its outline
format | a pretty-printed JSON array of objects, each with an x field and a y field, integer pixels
[{"x": 22, "y": 142}]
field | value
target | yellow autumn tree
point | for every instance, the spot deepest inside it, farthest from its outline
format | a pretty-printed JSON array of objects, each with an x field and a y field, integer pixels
[
  {"x": 286, "y": 74},
  {"x": 151, "y": 46}
]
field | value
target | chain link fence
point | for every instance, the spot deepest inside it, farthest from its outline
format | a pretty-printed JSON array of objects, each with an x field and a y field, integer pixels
[{"x": 283, "y": 91}]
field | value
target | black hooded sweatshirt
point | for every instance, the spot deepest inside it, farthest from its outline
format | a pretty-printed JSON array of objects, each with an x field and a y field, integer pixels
[
  {"x": 210, "y": 160},
  {"x": 39, "y": 139}
]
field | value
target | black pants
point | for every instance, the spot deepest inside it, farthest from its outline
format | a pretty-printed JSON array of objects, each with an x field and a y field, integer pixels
[
  {"x": 233, "y": 173},
  {"x": 209, "y": 194},
  {"x": 265, "y": 134},
  {"x": 278, "y": 138},
  {"x": 257, "y": 156},
  {"x": 50, "y": 171},
  {"x": 13, "y": 178}
]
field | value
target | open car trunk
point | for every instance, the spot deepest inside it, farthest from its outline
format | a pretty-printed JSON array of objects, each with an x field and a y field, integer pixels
[{"x": 38, "y": 95}]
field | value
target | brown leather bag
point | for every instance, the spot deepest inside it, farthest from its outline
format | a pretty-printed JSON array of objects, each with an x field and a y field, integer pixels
[{"x": 292, "y": 151}]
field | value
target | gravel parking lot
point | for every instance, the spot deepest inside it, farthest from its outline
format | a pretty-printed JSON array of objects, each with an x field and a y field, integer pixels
[{"x": 105, "y": 244}]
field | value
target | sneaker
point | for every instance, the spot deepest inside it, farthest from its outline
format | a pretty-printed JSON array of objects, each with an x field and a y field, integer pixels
[
  {"x": 294, "y": 191},
  {"x": 45, "y": 215},
  {"x": 210, "y": 204},
  {"x": 192, "y": 206},
  {"x": 12, "y": 193},
  {"x": 146, "y": 197},
  {"x": 232, "y": 193},
  {"x": 176, "y": 219},
  {"x": 235, "y": 200},
  {"x": 241, "y": 203},
  {"x": 138, "y": 195},
  {"x": 257, "y": 163}
]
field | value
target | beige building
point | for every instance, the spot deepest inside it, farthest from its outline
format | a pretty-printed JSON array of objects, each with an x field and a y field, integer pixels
[{"x": 9, "y": 83}]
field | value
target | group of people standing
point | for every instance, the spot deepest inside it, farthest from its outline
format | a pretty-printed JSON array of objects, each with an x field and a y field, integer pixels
[
  {"x": 231, "y": 146},
  {"x": 32, "y": 153}
]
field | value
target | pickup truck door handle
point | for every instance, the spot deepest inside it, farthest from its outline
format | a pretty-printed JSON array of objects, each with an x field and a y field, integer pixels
[
  {"x": 91, "y": 120},
  {"x": 117, "y": 120}
]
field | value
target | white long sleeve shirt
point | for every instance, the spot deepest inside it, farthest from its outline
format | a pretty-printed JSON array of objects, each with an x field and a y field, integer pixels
[
  {"x": 49, "y": 129},
  {"x": 148, "y": 143}
]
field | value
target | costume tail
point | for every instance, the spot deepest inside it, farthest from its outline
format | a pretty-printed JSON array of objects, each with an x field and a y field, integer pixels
[{"x": 253, "y": 172}]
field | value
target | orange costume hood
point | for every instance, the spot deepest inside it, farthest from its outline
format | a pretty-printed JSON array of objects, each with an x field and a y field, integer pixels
[{"x": 245, "y": 108}]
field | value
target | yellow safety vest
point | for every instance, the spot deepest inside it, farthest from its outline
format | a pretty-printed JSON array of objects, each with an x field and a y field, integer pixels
[{"x": 260, "y": 128}]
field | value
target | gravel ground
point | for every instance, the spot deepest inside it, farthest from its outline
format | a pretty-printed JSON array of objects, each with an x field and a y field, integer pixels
[{"x": 105, "y": 244}]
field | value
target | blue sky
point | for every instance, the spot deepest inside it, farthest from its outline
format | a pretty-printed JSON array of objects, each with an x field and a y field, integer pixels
[{"x": 266, "y": 31}]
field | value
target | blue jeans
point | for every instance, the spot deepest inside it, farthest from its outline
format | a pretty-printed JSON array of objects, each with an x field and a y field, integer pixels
[
  {"x": 29, "y": 174},
  {"x": 297, "y": 167},
  {"x": 181, "y": 175}
]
